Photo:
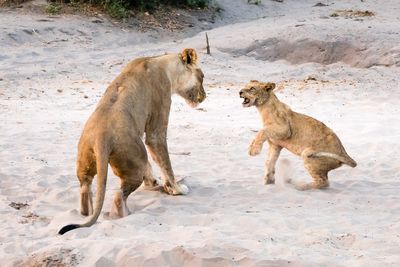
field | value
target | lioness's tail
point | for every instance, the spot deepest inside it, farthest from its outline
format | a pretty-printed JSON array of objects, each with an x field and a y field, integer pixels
[
  {"x": 346, "y": 159},
  {"x": 102, "y": 156}
]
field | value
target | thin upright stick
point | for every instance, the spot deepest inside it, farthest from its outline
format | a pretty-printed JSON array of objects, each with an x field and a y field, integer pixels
[{"x": 208, "y": 45}]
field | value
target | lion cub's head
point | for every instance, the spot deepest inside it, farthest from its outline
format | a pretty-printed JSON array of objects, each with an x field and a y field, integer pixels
[
  {"x": 256, "y": 93},
  {"x": 190, "y": 80}
]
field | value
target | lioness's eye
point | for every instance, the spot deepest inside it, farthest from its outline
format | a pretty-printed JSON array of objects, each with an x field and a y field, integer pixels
[{"x": 252, "y": 89}]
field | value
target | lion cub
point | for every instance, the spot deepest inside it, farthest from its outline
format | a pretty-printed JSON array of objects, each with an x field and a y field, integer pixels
[{"x": 307, "y": 137}]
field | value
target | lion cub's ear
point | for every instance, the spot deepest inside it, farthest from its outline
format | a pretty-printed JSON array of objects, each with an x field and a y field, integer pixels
[
  {"x": 269, "y": 86},
  {"x": 189, "y": 56}
]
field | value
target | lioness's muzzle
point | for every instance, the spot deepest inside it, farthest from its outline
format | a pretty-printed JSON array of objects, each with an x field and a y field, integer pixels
[
  {"x": 197, "y": 95},
  {"x": 201, "y": 96}
]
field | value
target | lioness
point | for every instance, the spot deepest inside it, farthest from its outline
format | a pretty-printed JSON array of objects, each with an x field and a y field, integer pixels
[
  {"x": 138, "y": 101},
  {"x": 307, "y": 137}
]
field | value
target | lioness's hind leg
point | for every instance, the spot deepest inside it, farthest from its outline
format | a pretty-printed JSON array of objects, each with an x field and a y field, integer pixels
[
  {"x": 86, "y": 203},
  {"x": 86, "y": 170},
  {"x": 119, "y": 208}
]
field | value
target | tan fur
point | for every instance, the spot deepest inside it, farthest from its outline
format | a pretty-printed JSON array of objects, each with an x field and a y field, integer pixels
[
  {"x": 136, "y": 103},
  {"x": 307, "y": 137}
]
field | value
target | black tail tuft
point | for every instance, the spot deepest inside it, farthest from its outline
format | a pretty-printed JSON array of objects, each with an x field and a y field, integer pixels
[{"x": 67, "y": 228}]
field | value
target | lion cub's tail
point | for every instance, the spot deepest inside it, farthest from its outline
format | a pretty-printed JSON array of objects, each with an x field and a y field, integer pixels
[
  {"x": 102, "y": 157},
  {"x": 346, "y": 159}
]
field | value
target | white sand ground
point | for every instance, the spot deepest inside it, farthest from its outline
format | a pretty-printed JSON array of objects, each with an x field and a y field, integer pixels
[{"x": 52, "y": 78}]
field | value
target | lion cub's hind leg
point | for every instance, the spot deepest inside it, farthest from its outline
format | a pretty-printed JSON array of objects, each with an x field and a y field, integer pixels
[
  {"x": 319, "y": 173},
  {"x": 320, "y": 181}
]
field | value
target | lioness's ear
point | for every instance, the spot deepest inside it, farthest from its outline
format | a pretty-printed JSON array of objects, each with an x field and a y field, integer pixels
[
  {"x": 189, "y": 56},
  {"x": 269, "y": 86}
]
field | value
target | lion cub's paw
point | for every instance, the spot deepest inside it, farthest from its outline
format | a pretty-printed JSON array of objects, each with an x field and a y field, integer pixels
[
  {"x": 255, "y": 148},
  {"x": 269, "y": 181},
  {"x": 301, "y": 186},
  {"x": 269, "y": 178}
]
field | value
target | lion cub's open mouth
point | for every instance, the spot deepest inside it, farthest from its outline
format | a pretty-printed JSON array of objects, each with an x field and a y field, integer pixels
[{"x": 246, "y": 101}]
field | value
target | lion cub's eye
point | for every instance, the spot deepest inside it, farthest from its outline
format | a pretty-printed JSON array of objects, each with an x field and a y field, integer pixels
[{"x": 252, "y": 89}]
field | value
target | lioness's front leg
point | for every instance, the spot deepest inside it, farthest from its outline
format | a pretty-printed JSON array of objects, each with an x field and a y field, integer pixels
[{"x": 157, "y": 146}]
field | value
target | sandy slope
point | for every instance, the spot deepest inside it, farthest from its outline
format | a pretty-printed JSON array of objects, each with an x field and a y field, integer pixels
[{"x": 51, "y": 79}]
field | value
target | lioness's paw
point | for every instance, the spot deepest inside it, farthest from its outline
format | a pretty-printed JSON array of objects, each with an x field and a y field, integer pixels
[
  {"x": 176, "y": 189},
  {"x": 182, "y": 189},
  {"x": 255, "y": 149}
]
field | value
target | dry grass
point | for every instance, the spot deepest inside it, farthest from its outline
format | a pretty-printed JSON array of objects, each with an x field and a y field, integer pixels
[
  {"x": 349, "y": 13},
  {"x": 11, "y": 2}
]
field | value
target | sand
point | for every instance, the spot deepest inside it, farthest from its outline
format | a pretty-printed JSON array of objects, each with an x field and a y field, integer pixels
[{"x": 53, "y": 71}]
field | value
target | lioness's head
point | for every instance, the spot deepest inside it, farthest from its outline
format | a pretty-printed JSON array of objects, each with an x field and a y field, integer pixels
[
  {"x": 256, "y": 93},
  {"x": 190, "y": 81}
]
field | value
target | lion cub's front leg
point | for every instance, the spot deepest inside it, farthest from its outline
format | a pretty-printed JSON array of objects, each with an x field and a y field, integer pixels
[
  {"x": 273, "y": 154},
  {"x": 257, "y": 144},
  {"x": 275, "y": 131}
]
